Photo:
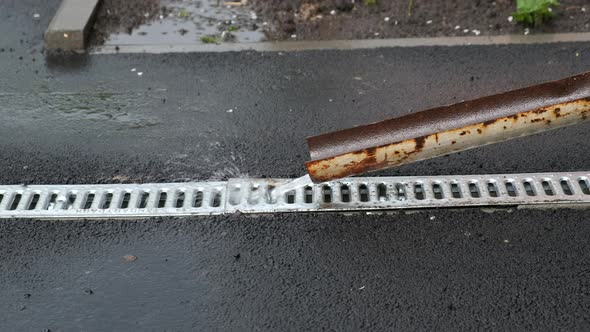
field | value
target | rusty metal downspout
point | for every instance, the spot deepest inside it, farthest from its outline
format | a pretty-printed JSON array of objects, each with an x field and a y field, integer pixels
[{"x": 444, "y": 130}]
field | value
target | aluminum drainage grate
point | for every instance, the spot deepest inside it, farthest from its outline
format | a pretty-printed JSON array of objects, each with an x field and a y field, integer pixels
[{"x": 256, "y": 195}]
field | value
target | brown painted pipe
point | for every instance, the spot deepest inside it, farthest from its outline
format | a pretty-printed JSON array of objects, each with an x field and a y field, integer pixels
[{"x": 443, "y": 130}]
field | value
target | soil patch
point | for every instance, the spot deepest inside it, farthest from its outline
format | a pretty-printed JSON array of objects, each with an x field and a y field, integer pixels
[{"x": 347, "y": 19}]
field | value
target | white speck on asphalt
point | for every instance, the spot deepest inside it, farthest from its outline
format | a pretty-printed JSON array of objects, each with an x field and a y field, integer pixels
[
  {"x": 476, "y": 32},
  {"x": 583, "y": 9},
  {"x": 264, "y": 23},
  {"x": 465, "y": 30},
  {"x": 293, "y": 36},
  {"x": 526, "y": 31},
  {"x": 66, "y": 35},
  {"x": 550, "y": 9},
  {"x": 332, "y": 12},
  {"x": 36, "y": 15},
  {"x": 146, "y": 15},
  {"x": 457, "y": 27},
  {"x": 330, "y": 100},
  {"x": 376, "y": 33},
  {"x": 429, "y": 22},
  {"x": 386, "y": 19},
  {"x": 395, "y": 22},
  {"x": 510, "y": 18},
  {"x": 432, "y": 217},
  {"x": 506, "y": 241},
  {"x": 230, "y": 110},
  {"x": 133, "y": 69},
  {"x": 362, "y": 288},
  {"x": 140, "y": 73},
  {"x": 161, "y": 17},
  {"x": 577, "y": 53}
]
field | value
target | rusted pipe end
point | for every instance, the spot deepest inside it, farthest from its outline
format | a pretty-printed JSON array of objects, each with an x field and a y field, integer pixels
[{"x": 439, "y": 131}]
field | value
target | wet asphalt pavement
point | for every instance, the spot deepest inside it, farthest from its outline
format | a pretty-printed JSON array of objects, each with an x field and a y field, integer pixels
[{"x": 91, "y": 119}]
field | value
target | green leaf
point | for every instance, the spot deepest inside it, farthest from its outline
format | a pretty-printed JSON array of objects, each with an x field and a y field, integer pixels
[{"x": 534, "y": 12}]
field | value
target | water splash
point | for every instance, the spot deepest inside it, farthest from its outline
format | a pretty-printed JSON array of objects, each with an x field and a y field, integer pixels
[{"x": 290, "y": 186}]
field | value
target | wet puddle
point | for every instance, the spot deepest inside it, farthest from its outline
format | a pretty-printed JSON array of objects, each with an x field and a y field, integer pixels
[{"x": 195, "y": 21}]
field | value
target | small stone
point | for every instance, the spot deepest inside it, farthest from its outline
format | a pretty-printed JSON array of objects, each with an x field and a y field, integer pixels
[
  {"x": 293, "y": 36},
  {"x": 386, "y": 19},
  {"x": 510, "y": 18},
  {"x": 332, "y": 12},
  {"x": 36, "y": 15},
  {"x": 583, "y": 9},
  {"x": 130, "y": 258},
  {"x": 229, "y": 111},
  {"x": 27, "y": 296},
  {"x": 88, "y": 291},
  {"x": 526, "y": 31},
  {"x": 432, "y": 217},
  {"x": 140, "y": 73},
  {"x": 66, "y": 35},
  {"x": 457, "y": 27},
  {"x": 376, "y": 33},
  {"x": 465, "y": 30},
  {"x": 476, "y": 32},
  {"x": 133, "y": 69},
  {"x": 429, "y": 22},
  {"x": 237, "y": 256},
  {"x": 506, "y": 241}
]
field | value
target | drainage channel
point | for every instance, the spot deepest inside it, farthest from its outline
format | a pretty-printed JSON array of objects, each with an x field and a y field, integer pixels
[{"x": 255, "y": 195}]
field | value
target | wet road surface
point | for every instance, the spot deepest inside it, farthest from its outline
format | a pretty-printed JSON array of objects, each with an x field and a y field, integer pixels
[{"x": 213, "y": 116}]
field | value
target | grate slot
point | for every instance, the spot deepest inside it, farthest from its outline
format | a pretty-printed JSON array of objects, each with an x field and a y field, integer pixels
[
  {"x": 327, "y": 194},
  {"x": 400, "y": 192},
  {"x": 437, "y": 190},
  {"x": 474, "y": 190},
  {"x": 216, "y": 199},
  {"x": 34, "y": 202},
  {"x": 584, "y": 185},
  {"x": 547, "y": 187},
  {"x": 566, "y": 186},
  {"x": 198, "y": 201},
  {"x": 345, "y": 193},
  {"x": 15, "y": 202},
  {"x": 511, "y": 189},
  {"x": 456, "y": 190},
  {"x": 126, "y": 200},
  {"x": 89, "y": 200},
  {"x": 363, "y": 193},
  {"x": 419, "y": 191},
  {"x": 493, "y": 189},
  {"x": 529, "y": 187},
  {"x": 106, "y": 203}
]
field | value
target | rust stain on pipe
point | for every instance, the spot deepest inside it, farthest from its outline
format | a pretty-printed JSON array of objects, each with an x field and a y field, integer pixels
[{"x": 449, "y": 129}]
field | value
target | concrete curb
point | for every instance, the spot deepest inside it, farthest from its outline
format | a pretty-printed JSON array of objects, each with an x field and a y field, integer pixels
[
  {"x": 345, "y": 44},
  {"x": 70, "y": 25}
]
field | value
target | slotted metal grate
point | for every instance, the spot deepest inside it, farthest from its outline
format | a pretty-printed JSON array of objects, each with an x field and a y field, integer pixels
[{"x": 256, "y": 195}]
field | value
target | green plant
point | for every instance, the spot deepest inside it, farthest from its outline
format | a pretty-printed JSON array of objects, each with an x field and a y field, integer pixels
[
  {"x": 184, "y": 13},
  {"x": 370, "y": 2},
  {"x": 232, "y": 28},
  {"x": 410, "y": 5},
  {"x": 209, "y": 39},
  {"x": 534, "y": 12}
]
